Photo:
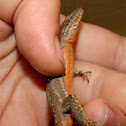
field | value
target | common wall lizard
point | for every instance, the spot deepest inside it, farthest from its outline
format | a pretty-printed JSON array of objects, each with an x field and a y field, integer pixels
[{"x": 60, "y": 90}]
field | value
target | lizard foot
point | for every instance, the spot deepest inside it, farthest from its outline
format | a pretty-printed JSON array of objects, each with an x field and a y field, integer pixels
[{"x": 82, "y": 74}]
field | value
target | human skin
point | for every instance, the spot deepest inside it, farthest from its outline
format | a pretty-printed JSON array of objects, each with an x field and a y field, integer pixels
[{"x": 29, "y": 49}]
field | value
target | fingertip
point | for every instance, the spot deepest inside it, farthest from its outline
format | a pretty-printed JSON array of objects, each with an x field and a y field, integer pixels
[
  {"x": 104, "y": 113},
  {"x": 58, "y": 50},
  {"x": 96, "y": 110}
]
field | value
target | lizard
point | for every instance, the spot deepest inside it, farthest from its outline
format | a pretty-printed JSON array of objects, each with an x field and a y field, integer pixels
[{"x": 59, "y": 90}]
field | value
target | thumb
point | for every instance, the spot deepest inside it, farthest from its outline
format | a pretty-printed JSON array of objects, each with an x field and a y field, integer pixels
[
  {"x": 105, "y": 114},
  {"x": 36, "y": 28}
]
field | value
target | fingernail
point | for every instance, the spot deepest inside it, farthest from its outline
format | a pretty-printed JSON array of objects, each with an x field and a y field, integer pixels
[
  {"x": 110, "y": 118},
  {"x": 106, "y": 116},
  {"x": 59, "y": 50}
]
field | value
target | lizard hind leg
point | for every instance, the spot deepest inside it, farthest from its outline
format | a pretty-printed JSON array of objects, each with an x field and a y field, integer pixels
[{"x": 71, "y": 103}]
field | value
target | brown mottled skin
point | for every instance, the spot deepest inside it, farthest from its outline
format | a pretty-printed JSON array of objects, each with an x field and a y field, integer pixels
[{"x": 60, "y": 90}]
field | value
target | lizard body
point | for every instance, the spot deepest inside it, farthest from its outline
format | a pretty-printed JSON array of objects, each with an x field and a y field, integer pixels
[
  {"x": 68, "y": 34},
  {"x": 59, "y": 90}
]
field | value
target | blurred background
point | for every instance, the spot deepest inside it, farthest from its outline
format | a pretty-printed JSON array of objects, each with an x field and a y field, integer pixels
[{"x": 110, "y": 14}]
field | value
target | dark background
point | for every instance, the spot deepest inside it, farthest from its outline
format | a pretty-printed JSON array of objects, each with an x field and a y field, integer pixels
[{"x": 110, "y": 14}]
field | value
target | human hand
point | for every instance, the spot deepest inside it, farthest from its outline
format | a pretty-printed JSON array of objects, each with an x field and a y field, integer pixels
[
  {"x": 32, "y": 26},
  {"x": 22, "y": 88},
  {"x": 105, "y": 94}
]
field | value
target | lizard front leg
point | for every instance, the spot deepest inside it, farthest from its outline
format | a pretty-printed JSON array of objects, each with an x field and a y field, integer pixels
[{"x": 81, "y": 74}]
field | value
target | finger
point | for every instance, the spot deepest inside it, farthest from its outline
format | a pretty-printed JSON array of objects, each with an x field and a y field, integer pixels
[
  {"x": 104, "y": 83},
  {"x": 100, "y": 46},
  {"x": 7, "y": 40},
  {"x": 36, "y": 28},
  {"x": 104, "y": 113},
  {"x": 7, "y": 9}
]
